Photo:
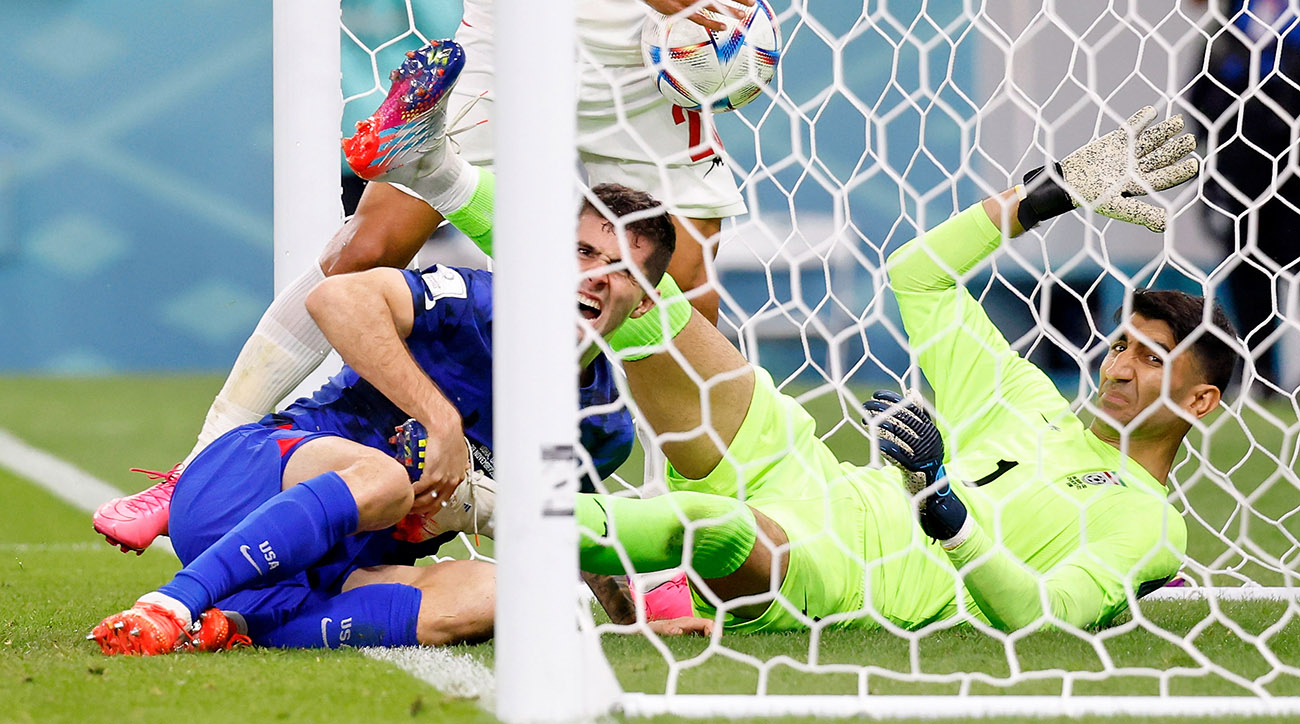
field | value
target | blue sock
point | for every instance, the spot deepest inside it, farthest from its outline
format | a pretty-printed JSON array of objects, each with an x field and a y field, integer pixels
[
  {"x": 381, "y": 614},
  {"x": 282, "y": 537}
]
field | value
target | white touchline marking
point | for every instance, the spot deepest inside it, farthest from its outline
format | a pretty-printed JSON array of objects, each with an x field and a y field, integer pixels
[
  {"x": 80, "y": 547},
  {"x": 454, "y": 674},
  {"x": 60, "y": 477},
  {"x": 459, "y": 675}
]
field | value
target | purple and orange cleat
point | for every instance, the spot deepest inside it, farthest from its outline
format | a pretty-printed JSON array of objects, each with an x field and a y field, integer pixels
[
  {"x": 134, "y": 521},
  {"x": 411, "y": 121}
]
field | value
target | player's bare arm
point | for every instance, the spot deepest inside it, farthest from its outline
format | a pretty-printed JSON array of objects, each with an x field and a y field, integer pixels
[{"x": 366, "y": 317}]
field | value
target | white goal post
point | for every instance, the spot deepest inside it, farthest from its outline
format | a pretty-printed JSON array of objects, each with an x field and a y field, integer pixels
[{"x": 885, "y": 119}]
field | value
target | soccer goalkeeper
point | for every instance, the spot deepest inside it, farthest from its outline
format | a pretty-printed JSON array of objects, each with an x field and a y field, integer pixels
[{"x": 1026, "y": 517}]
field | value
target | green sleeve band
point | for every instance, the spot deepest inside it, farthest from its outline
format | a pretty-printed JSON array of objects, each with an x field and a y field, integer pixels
[
  {"x": 928, "y": 262},
  {"x": 655, "y": 533},
  {"x": 643, "y": 336},
  {"x": 474, "y": 219}
]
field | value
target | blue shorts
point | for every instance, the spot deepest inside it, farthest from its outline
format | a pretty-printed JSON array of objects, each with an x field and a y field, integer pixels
[{"x": 232, "y": 477}]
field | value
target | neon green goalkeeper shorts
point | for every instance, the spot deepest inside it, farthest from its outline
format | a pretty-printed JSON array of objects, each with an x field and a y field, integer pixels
[{"x": 779, "y": 466}]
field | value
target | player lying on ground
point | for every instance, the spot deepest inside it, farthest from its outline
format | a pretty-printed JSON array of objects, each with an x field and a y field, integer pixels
[
  {"x": 293, "y": 523},
  {"x": 653, "y": 147},
  {"x": 1034, "y": 518}
]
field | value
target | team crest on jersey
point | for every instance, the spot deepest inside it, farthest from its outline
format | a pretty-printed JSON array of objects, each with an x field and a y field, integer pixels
[
  {"x": 1103, "y": 477},
  {"x": 442, "y": 282}
]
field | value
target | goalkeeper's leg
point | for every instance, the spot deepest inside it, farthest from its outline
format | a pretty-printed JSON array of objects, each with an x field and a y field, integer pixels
[{"x": 734, "y": 548}]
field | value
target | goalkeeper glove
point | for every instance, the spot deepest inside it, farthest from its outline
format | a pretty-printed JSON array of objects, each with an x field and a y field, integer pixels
[
  {"x": 1107, "y": 172},
  {"x": 911, "y": 442}
]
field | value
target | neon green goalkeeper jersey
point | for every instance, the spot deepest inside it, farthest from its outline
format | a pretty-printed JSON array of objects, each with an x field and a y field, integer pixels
[{"x": 1064, "y": 523}]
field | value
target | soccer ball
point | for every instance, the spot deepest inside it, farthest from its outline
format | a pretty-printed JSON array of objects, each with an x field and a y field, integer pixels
[{"x": 725, "y": 69}]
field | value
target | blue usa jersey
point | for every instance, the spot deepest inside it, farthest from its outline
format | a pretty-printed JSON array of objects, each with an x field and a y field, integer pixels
[{"x": 451, "y": 340}]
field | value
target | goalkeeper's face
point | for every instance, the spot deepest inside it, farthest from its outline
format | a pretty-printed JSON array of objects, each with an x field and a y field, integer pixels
[
  {"x": 1131, "y": 393},
  {"x": 608, "y": 291}
]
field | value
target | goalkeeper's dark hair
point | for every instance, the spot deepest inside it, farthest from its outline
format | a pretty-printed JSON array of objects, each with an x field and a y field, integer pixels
[
  {"x": 656, "y": 229},
  {"x": 1216, "y": 357}
]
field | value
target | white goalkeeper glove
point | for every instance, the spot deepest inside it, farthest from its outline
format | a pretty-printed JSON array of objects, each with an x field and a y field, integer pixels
[{"x": 1108, "y": 172}]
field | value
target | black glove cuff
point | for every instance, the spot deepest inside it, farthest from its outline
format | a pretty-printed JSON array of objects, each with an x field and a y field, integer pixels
[
  {"x": 1044, "y": 198},
  {"x": 943, "y": 515}
]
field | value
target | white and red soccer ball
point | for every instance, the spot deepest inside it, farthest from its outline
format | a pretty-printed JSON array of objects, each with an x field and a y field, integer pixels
[{"x": 722, "y": 69}]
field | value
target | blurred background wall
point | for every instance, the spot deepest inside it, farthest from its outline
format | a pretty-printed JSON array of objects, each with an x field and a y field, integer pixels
[
  {"x": 135, "y": 169},
  {"x": 135, "y": 180}
]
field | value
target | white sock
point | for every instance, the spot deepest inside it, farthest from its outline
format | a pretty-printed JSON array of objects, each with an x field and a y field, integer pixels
[
  {"x": 284, "y": 348},
  {"x": 448, "y": 185},
  {"x": 177, "y": 608}
]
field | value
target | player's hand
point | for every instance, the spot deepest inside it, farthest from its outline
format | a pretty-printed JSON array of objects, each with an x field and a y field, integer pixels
[
  {"x": 698, "y": 8},
  {"x": 684, "y": 626},
  {"x": 910, "y": 440},
  {"x": 437, "y": 461},
  {"x": 1108, "y": 172}
]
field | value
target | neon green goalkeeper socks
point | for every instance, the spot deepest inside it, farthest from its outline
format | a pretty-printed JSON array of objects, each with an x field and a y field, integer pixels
[
  {"x": 643, "y": 336},
  {"x": 654, "y": 533},
  {"x": 474, "y": 219}
]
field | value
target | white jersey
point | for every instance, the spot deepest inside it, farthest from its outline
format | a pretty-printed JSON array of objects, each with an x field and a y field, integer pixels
[
  {"x": 628, "y": 132},
  {"x": 609, "y": 29}
]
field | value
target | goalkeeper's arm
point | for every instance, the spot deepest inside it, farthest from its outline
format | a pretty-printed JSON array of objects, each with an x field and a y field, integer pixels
[{"x": 1005, "y": 591}]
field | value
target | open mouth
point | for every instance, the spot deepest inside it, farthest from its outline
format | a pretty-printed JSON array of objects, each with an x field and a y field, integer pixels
[{"x": 588, "y": 307}]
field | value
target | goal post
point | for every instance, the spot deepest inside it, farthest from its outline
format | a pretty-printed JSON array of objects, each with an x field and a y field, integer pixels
[
  {"x": 307, "y": 106},
  {"x": 539, "y": 669}
]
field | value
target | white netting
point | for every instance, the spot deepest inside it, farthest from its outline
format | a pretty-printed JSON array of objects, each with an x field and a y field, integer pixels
[{"x": 886, "y": 118}]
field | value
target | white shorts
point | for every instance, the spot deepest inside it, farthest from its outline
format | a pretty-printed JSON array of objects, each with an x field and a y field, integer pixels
[{"x": 661, "y": 149}]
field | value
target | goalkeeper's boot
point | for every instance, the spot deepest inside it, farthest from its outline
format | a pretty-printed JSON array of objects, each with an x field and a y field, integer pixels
[
  {"x": 412, "y": 119},
  {"x": 670, "y": 599},
  {"x": 145, "y": 629},
  {"x": 134, "y": 521}
]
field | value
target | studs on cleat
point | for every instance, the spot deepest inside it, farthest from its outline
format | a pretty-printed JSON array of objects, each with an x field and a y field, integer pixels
[
  {"x": 119, "y": 624},
  {"x": 134, "y": 632}
]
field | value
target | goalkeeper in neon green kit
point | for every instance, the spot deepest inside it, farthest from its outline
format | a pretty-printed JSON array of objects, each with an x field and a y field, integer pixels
[{"x": 1026, "y": 515}]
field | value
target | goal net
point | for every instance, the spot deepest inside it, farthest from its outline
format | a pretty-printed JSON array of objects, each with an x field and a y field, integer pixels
[{"x": 885, "y": 119}]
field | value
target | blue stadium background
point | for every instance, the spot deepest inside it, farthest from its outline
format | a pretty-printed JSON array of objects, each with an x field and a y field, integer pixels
[{"x": 135, "y": 167}]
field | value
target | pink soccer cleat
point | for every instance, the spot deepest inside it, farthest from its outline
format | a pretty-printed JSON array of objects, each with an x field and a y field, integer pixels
[
  {"x": 670, "y": 599},
  {"x": 412, "y": 119},
  {"x": 134, "y": 521}
]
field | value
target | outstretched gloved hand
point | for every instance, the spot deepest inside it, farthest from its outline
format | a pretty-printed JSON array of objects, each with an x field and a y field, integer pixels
[{"x": 1110, "y": 171}]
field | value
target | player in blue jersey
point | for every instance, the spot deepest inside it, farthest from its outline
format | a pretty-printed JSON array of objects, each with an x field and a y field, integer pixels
[
  {"x": 642, "y": 142},
  {"x": 291, "y": 522}
]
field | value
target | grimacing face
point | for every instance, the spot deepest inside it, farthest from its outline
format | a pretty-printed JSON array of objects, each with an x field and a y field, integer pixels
[
  {"x": 1131, "y": 378},
  {"x": 608, "y": 293}
]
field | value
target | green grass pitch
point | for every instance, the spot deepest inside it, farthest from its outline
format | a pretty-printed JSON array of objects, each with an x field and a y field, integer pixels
[{"x": 57, "y": 578}]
